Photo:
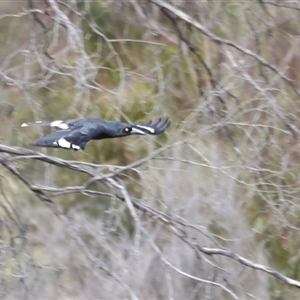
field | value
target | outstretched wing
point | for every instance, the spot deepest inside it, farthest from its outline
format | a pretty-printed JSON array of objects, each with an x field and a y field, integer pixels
[
  {"x": 155, "y": 127},
  {"x": 75, "y": 139}
]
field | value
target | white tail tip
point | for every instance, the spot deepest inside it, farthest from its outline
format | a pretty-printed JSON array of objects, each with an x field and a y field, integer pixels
[{"x": 24, "y": 125}]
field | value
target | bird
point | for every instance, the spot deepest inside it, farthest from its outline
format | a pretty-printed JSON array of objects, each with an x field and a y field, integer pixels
[{"x": 76, "y": 133}]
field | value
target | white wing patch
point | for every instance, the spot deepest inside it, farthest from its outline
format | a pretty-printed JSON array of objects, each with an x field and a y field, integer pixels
[
  {"x": 75, "y": 147},
  {"x": 60, "y": 124},
  {"x": 24, "y": 125},
  {"x": 146, "y": 128},
  {"x": 65, "y": 144}
]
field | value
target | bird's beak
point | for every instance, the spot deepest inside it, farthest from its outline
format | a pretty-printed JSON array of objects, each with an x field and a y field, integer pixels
[{"x": 135, "y": 130}]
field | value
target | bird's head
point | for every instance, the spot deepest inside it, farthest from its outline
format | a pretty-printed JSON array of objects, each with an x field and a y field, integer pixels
[
  {"x": 119, "y": 129},
  {"x": 128, "y": 129}
]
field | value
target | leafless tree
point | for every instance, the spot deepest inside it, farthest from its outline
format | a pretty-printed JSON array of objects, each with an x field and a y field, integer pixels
[{"x": 209, "y": 210}]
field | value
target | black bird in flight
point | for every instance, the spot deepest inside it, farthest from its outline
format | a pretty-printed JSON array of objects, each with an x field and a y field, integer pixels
[{"x": 75, "y": 133}]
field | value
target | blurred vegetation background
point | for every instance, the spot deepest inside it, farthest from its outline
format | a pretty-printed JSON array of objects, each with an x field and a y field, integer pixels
[{"x": 227, "y": 170}]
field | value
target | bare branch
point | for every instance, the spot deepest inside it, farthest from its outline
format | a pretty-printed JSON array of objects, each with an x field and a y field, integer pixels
[
  {"x": 180, "y": 14},
  {"x": 119, "y": 192}
]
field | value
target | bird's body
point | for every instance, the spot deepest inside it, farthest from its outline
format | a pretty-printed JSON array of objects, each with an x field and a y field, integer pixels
[{"x": 75, "y": 133}]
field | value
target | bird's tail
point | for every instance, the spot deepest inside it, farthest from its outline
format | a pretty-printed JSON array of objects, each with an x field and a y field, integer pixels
[
  {"x": 36, "y": 123},
  {"x": 58, "y": 123}
]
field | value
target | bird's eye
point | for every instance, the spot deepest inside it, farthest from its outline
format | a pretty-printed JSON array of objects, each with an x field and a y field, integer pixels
[{"x": 127, "y": 129}]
